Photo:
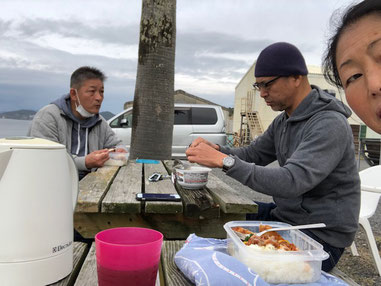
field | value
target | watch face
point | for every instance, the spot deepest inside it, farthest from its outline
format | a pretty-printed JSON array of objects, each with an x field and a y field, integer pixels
[{"x": 228, "y": 161}]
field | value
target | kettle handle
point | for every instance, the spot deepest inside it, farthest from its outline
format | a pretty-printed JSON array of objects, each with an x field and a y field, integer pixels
[{"x": 74, "y": 177}]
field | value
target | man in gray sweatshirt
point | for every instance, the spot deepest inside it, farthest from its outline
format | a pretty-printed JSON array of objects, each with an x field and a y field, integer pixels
[
  {"x": 74, "y": 121},
  {"x": 317, "y": 179}
]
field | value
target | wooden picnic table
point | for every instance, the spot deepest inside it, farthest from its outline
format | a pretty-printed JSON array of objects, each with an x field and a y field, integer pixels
[
  {"x": 107, "y": 199},
  {"x": 85, "y": 268}
]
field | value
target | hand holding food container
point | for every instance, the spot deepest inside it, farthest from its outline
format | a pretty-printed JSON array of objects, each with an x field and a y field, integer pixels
[
  {"x": 128, "y": 256},
  {"x": 118, "y": 156}
]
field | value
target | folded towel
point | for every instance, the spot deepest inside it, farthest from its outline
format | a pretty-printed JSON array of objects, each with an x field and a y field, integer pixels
[{"x": 205, "y": 261}]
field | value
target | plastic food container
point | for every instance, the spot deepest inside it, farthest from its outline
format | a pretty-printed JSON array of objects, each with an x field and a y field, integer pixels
[
  {"x": 194, "y": 177},
  {"x": 276, "y": 266},
  {"x": 117, "y": 159}
]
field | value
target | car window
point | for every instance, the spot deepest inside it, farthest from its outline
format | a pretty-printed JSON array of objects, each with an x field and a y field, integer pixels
[
  {"x": 202, "y": 116},
  {"x": 123, "y": 121},
  {"x": 126, "y": 120},
  {"x": 182, "y": 116},
  {"x": 115, "y": 122}
]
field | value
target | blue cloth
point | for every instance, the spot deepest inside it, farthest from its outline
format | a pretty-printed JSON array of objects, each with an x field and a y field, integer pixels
[{"x": 204, "y": 261}]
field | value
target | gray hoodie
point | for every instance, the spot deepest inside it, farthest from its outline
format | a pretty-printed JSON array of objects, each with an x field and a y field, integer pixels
[
  {"x": 80, "y": 131},
  {"x": 317, "y": 180},
  {"x": 56, "y": 122}
]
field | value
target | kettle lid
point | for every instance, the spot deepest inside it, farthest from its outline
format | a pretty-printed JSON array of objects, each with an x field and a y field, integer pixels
[{"x": 24, "y": 142}]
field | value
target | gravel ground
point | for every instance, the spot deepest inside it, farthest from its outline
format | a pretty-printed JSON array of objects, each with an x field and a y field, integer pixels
[{"x": 360, "y": 268}]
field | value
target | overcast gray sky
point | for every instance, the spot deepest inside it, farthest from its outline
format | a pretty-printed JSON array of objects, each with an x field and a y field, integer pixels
[{"x": 44, "y": 41}]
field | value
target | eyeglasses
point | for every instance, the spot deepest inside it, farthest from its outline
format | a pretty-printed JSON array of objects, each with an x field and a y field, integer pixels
[{"x": 264, "y": 85}]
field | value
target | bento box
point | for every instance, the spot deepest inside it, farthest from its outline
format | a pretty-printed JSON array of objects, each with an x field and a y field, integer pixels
[{"x": 277, "y": 266}]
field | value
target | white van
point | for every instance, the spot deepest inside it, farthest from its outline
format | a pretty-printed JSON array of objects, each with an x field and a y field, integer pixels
[{"x": 191, "y": 121}]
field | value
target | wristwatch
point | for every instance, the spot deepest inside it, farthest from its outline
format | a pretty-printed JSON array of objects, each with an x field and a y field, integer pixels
[{"x": 227, "y": 163}]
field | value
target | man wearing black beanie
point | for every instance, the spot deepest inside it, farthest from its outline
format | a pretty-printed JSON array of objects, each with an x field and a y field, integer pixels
[{"x": 317, "y": 179}]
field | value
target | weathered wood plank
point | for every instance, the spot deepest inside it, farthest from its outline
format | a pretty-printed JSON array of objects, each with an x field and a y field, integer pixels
[
  {"x": 197, "y": 203},
  {"x": 93, "y": 188},
  {"x": 229, "y": 199},
  {"x": 172, "y": 275},
  {"x": 88, "y": 275},
  {"x": 89, "y": 224},
  {"x": 173, "y": 226},
  {"x": 162, "y": 186},
  {"x": 121, "y": 197},
  {"x": 79, "y": 254}
]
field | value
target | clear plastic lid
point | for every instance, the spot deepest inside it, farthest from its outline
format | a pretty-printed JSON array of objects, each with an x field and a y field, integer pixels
[{"x": 309, "y": 249}]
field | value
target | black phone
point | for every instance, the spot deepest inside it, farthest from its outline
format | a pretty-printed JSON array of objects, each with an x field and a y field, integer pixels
[{"x": 158, "y": 197}]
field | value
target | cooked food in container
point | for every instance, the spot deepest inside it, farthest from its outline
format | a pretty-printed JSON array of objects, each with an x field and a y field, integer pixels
[
  {"x": 277, "y": 256},
  {"x": 270, "y": 240}
]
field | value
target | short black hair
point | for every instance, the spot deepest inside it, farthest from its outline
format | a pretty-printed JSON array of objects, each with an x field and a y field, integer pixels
[
  {"x": 85, "y": 73},
  {"x": 351, "y": 16}
]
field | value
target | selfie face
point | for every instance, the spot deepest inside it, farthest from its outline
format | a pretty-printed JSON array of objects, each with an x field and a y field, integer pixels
[{"x": 358, "y": 60}]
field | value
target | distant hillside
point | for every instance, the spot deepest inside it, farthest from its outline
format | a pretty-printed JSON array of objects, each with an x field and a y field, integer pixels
[
  {"x": 24, "y": 114},
  {"x": 107, "y": 114}
]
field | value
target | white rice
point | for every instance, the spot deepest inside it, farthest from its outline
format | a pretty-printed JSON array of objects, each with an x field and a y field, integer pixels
[{"x": 281, "y": 270}]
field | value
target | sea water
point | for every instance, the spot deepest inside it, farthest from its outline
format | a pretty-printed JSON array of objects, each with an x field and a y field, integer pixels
[{"x": 13, "y": 127}]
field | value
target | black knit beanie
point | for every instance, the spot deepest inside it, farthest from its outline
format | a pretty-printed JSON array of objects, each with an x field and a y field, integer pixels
[{"x": 280, "y": 59}]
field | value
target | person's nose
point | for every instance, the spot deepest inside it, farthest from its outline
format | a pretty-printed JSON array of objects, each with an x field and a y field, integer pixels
[
  {"x": 99, "y": 96},
  {"x": 374, "y": 80},
  {"x": 263, "y": 93}
]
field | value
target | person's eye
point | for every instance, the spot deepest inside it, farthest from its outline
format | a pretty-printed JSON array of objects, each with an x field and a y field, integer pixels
[{"x": 352, "y": 78}]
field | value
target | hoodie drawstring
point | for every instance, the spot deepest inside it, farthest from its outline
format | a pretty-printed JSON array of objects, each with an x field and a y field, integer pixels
[
  {"x": 79, "y": 139},
  {"x": 87, "y": 136}
]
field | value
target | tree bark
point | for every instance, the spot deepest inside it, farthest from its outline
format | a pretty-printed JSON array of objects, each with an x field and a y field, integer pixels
[{"x": 153, "y": 108}]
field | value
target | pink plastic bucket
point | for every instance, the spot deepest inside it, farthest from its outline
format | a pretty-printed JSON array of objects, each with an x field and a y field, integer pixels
[{"x": 128, "y": 256}]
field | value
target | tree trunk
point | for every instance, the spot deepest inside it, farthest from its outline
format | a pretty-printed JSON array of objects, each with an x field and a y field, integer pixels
[{"x": 153, "y": 109}]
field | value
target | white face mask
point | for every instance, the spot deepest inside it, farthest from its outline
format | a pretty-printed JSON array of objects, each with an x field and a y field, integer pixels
[{"x": 81, "y": 110}]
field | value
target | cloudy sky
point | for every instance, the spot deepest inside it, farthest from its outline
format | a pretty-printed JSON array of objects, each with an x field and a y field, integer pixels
[{"x": 43, "y": 41}]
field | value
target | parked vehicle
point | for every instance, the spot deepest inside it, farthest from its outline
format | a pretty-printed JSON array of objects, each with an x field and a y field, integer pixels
[{"x": 190, "y": 121}]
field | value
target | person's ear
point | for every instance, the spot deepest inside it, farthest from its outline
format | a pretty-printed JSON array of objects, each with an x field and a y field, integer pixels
[
  {"x": 73, "y": 94},
  {"x": 297, "y": 80}
]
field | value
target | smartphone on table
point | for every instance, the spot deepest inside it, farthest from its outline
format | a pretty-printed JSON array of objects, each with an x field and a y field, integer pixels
[{"x": 158, "y": 197}]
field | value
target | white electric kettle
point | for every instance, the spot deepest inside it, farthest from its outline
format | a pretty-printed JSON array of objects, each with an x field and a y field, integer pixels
[{"x": 38, "y": 193}]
